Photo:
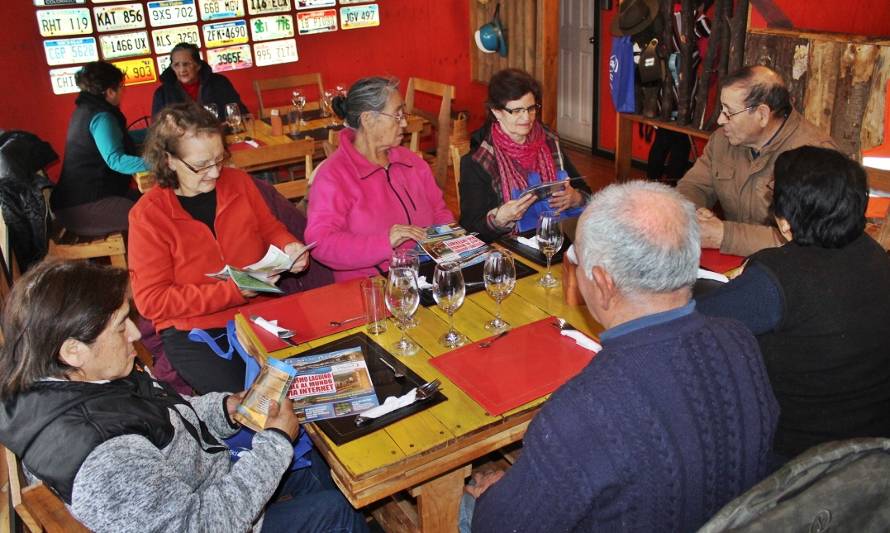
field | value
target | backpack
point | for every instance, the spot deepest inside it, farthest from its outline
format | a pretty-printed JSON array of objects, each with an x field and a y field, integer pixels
[{"x": 836, "y": 486}]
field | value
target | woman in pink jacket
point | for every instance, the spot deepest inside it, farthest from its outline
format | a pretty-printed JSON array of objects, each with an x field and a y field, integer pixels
[{"x": 372, "y": 195}]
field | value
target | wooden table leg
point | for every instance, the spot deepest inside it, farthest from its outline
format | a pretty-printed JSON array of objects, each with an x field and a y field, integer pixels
[
  {"x": 438, "y": 500},
  {"x": 623, "y": 147}
]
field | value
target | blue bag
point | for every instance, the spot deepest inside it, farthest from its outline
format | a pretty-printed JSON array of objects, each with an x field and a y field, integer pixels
[
  {"x": 621, "y": 74},
  {"x": 241, "y": 441}
]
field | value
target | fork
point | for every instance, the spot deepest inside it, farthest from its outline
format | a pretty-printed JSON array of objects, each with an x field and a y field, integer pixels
[
  {"x": 489, "y": 342},
  {"x": 396, "y": 374},
  {"x": 338, "y": 323}
]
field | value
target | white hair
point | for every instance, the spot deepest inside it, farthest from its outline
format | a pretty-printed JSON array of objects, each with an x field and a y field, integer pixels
[{"x": 644, "y": 234}]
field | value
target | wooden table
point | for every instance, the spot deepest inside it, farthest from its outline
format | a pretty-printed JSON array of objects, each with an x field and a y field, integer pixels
[{"x": 430, "y": 453}]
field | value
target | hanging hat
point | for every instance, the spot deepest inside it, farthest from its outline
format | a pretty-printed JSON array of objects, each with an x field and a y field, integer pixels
[
  {"x": 634, "y": 16},
  {"x": 490, "y": 37}
]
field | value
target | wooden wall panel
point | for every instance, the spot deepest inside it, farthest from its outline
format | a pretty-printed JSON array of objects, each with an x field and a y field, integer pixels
[
  {"x": 873, "y": 119},
  {"x": 783, "y": 55},
  {"x": 825, "y": 59},
  {"x": 857, "y": 65}
]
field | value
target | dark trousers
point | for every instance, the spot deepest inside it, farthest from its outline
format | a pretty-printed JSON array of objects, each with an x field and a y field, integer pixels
[
  {"x": 202, "y": 369},
  {"x": 104, "y": 216}
]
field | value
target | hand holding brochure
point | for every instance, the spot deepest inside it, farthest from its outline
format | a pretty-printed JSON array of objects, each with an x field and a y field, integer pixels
[
  {"x": 258, "y": 276},
  {"x": 331, "y": 385},
  {"x": 270, "y": 385},
  {"x": 450, "y": 242}
]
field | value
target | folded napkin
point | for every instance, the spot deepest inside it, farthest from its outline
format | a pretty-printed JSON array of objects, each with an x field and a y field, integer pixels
[
  {"x": 391, "y": 404},
  {"x": 423, "y": 284},
  {"x": 707, "y": 274},
  {"x": 272, "y": 327},
  {"x": 571, "y": 255},
  {"x": 582, "y": 340},
  {"x": 525, "y": 241}
]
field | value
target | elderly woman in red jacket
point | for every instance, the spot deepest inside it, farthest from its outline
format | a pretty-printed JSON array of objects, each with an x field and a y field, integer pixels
[{"x": 202, "y": 216}]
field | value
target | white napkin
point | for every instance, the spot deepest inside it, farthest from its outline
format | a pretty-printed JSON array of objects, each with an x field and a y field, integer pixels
[
  {"x": 582, "y": 340},
  {"x": 531, "y": 243},
  {"x": 707, "y": 274},
  {"x": 571, "y": 255},
  {"x": 390, "y": 404},
  {"x": 423, "y": 284},
  {"x": 272, "y": 327},
  {"x": 252, "y": 143}
]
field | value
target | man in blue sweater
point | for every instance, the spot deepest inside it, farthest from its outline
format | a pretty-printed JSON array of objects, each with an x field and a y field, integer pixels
[{"x": 671, "y": 420}]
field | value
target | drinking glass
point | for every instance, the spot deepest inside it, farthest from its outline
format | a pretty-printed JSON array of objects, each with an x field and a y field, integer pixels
[
  {"x": 499, "y": 275},
  {"x": 249, "y": 125},
  {"x": 374, "y": 305},
  {"x": 298, "y": 100},
  {"x": 233, "y": 117},
  {"x": 449, "y": 292},
  {"x": 326, "y": 109},
  {"x": 409, "y": 258},
  {"x": 213, "y": 109},
  {"x": 402, "y": 299},
  {"x": 549, "y": 241}
]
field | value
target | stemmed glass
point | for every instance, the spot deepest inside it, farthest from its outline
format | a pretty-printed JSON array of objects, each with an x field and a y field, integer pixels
[
  {"x": 213, "y": 109},
  {"x": 550, "y": 241},
  {"x": 402, "y": 299},
  {"x": 407, "y": 258},
  {"x": 500, "y": 277},
  {"x": 298, "y": 100},
  {"x": 449, "y": 292},
  {"x": 233, "y": 117},
  {"x": 326, "y": 109}
]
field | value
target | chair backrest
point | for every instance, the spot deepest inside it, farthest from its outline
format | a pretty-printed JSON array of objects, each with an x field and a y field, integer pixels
[
  {"x": 440, "y": 121},
  {"x": 276, "y": 155},
  {"x": 286, "y": 82},
  {"x": 457, "y": 151}
]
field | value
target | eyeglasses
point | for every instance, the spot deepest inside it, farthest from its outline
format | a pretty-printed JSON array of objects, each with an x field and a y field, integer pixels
[
  {"x": 728, "y": 116},
  {"x": 400, "y": 116},
  {"x": 203, "y": 170},
  {"x": 516, "y": 111}
]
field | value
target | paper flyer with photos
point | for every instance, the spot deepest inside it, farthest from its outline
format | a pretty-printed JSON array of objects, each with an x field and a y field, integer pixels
[{"x": 331, "y": 385}]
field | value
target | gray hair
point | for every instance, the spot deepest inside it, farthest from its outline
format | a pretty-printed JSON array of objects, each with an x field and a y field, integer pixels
[
  {"x": 367, "y": 94},
  {"x": 644, "y": 234}
]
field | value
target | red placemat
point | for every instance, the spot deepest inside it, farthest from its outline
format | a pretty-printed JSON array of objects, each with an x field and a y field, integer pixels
[
  {"x": 713, "y": 260},
  {"x": 308, "y": 313},
  {"x": 529, "y": 362}
]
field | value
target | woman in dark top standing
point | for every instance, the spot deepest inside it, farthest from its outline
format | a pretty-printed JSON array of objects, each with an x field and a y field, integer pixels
[
  {"x": 819, "y": 304},
  {"x": 93, "y": 196},
  {"x": 512, "y": 144},
  {"x": 190, "y": 79}
]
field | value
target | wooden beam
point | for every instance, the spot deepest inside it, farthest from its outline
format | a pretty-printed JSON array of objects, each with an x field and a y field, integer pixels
[{"x": 547, "y": 55}]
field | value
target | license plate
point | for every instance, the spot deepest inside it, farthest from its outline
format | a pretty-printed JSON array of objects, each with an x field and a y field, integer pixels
[
  {"x": 124, "y": 45},
  {"x": 172, "y": 12},
  {"x": 66, "y": 51},
  {"x": 345, "y": 2},
  {"x": 317, "y": 21},
  {"x": 165, "y": 39},
  {"x": 271, "y": 28},
  {"x": 230, "y": 58},
  {"x": 313, "y": 4},
  {"x": 359, "y": 17},
  {"x": 62, "y": 80},
  {"x": 221, "y": 9},
  {"x": 261, "y": 7},
  {"x": 225, "y": 33},
  {"x": 120, "y": 17},
  {"x": 58, "y": 22},
  {"x": 276, "y": 52},
  {"x": 137, "y": 71},
  {"x": 51, "y": 3}
]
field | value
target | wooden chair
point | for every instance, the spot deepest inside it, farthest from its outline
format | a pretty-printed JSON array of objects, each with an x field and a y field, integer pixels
[
  {"x": 66, "y": 245},
  {"x": 441, "y": 121},
  {"x": 457, "y": 151},
  {"x": 37, "y": 506},
  {"x": 287, "y": 82}
]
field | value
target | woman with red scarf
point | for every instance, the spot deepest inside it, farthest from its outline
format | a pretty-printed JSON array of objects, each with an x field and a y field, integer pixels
[{"x": 511, "y": 145}]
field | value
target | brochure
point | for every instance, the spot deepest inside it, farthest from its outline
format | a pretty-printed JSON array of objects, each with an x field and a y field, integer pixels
[
  {"x": 257, "y": 277},
  {"x": 450, "y": 242},
  {"x": 272, "y": 384},
  {"x": 331, "y": 385}
]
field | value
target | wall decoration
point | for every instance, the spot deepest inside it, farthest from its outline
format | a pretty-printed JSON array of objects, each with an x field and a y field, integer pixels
[
  {"x": 57, "y": 3},
  {"x": 276, "y": 52},
  {"x": 119, "y": 17},
  {"x": 62, "y": 80},
  {"x": 221, "y": 9},
  {"x": 61, "y": 22},
  {"x": 271, "y": 28},
  {"x": 355, "y": 17},
  {"x": 261, "y": 7},
  {"x": 166, "y": 38},
  {"x": 314, "y": 4},
  {"x": 67, "y": 51},
  {"x": 172, "y": 12},
  {"x": 120, "y": 45},
  {"x": 137, "y": 71},
  {"x": 164, "y": 62},
  {"x": 346, "y": 2},
  {"x": 310, "y": 22},
  {"x": 225, "y": 33},
  {"x": 230, "y": 58}
]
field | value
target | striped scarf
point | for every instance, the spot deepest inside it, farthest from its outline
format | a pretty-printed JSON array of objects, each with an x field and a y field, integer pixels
[{"x": 514, "y": 159}]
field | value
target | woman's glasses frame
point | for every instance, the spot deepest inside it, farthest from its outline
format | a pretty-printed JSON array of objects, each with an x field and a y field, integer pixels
[
  {"x": 203, "y": 170},
  {"x": 516, "y": 111}
]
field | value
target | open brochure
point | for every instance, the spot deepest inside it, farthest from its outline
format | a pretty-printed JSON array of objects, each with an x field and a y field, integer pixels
[
  {"x": 271, "y": 385},
  {"x": 450, "y": 242},
  {"x": 546, "y": 190},
  {"x": 257, "y": 277},
  {"x": 331, "y": 385}
]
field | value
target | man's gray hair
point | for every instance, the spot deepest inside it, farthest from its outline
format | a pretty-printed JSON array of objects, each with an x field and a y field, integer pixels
[
  {"x": 367, "y": 94},
  {"x": 644, "y": 234}
]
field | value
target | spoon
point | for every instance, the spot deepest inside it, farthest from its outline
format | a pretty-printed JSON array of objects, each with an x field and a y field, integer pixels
[{"x": 338, "y": 323}]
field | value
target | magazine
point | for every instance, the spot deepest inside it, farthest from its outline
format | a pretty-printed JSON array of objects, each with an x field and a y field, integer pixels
[
  {"x": 257, "y": 277},
  {"x": 272, "y": 383},
  {"x": 450, "y": 242},
  {"x": 331, "y": 385},
  {"x": 546, "y": 190}
]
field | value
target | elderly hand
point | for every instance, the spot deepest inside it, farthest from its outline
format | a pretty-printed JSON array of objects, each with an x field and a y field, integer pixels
[
  {"x": 566, "y": 198},
  {"x": 483, "y": 482},
  {"x": 295, "y": 250},
  {"x": 710, "y": 228},
  {"x": 513, "y": 210},
  {"x": 233, "y": 401},
  {"x": 400, "y": 233},
  {"x": 283, "y": 417}
]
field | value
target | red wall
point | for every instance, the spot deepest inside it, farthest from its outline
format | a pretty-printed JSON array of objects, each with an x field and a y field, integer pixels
[{"x": 423, "y": 38}]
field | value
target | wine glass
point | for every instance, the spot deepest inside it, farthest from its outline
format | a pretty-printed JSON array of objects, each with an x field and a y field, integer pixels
[
  {"x": 499, "y": 274},
  {"x": 326, "y": 109},
  {"x": 233, "y": 117},
  {"x": 549, "y": 241},
  {"x": 298, "y": 100},
  {"x": 407, "y": 258},
  {"x": 213, "y": 109},
  {"x": 402, "y": 299},
  {"x": 449, "y": 292}
]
